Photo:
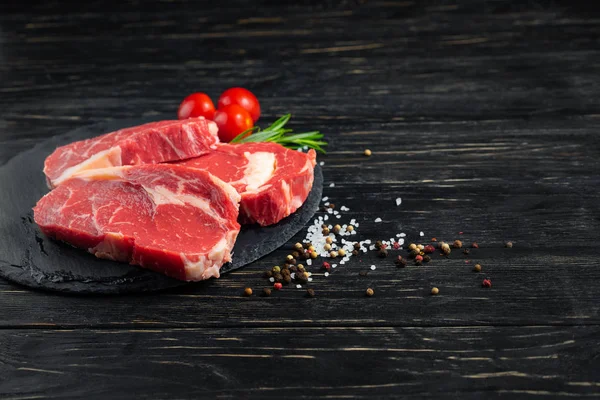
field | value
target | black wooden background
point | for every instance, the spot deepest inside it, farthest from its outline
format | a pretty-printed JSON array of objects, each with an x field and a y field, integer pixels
[{"x": 481, "y": 115}]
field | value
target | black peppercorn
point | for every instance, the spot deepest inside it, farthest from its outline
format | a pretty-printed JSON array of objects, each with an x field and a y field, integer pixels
[
  {"x": 355, "y": 252},
  {"x": 302, "y": 276},
  {"x": 426, "y": 258},
  {"x": 400, "y": 262},
  {"x": 332, "y": 206},
  {"x": 466, "y": 252},
  {"x": 268, "y": 274},
  {"x": 266, "y": 292},
  {"x": 287, "y": 279},
  {"x": 293, "y": 268},
  {"x": 378, "y": 244},
  {"x": 295, "y": 254},
  {"x": 383, "y": 253},
  {"x": 278, "y": 277},
  {"x": 357, "y": 246},
  {"x": 413, "y": 253},
  {"x": 292, "y": 262},
  {"x": 363, "y": 273},
  {"x": 310, "y": 292}
]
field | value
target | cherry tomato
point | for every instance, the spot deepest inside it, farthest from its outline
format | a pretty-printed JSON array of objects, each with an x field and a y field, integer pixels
[
  {"x": 196, "y": 105},
  {"x": 244, "y": 98},
  {"x": 232, "y": 120}
]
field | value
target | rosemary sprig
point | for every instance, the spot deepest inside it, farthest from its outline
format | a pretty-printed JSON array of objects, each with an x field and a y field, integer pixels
[{"x": 276, "y": 133}]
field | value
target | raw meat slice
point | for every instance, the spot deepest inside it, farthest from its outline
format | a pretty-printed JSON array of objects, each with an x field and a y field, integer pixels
[
  {"x": 178, "y": 221},
  {"x": 273, "y": 181},
  {"x": 150, "y": 143}
]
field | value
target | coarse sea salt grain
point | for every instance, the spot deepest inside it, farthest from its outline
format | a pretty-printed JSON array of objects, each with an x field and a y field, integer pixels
[
  {"x": 377, "y": 219},
  {"x": 310, "y": 279},
  {"x": 298, "y": 286},
  {"x": 373, "y": 268},
  {"x": 326, "y": 274},
  {"x": 421, "y": 234},
  {"x": 333, "y": 265},
  {"x": 309, "y": 262},
  {"x": 271, "y": 279},
  {"x": 338, "y": 216},
  {"x": 322, "y": 163},
  {"x": 398, "y": 201},
  {"x": 332, "y": 184},
  {"x": 325, "y": 198}
]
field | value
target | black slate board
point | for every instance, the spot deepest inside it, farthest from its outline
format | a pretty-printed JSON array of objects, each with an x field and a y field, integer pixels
[{"x": 29, "y": 258}]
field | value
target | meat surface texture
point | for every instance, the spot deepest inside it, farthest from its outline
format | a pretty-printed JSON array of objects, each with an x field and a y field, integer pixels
[
  {"x": 273, "y": 181},
  {"x": 150, "y": 143},
  {"x": 178, "y": 221}
]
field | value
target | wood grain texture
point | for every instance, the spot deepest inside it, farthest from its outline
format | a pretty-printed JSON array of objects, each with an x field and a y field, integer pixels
[{"x": 482, "y": 116}]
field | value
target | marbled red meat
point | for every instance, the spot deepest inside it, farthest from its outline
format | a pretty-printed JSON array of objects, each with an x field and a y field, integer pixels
[
  {"x": 272, "y": 180},
  {"x": 150, "y": 143},
  {"x": 179, "y": 221}
]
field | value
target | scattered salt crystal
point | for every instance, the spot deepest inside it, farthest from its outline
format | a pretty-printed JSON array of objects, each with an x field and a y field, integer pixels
[
  {"x": 352, "y": 221},
  {"x": 326, "y": 274},
  {"x": 305, "y": 147},
  {"x": 310, "y": 279},
  {"x": 421, "y": 234},
  {"x": 342, "y": 262},
  {"x": 353, "y": 233},
  {"x": 372, "y": 247},
  {"x": 327, "y": 203},
  {"x": 293, "y": 275},
  {"x": 332, "y": 184},
  {"x": 325, "y": 198},
  {"x": 308, "y": 262},
  {"x": 333, "y": 265},
  {"x": 373, "y": 268},
  {"x": 335, "y": 212},
  {"x": 309, "y": 274},
  {"x": 403, "y": 235},
  {"x": 398, "y": 201},
  {"x": 338, "y": 216},
  {"x": 368, "y": 241},
  {"x": 344, "y": 208},
  {"x": 377, "y": 219},
  {"x": 326, "y": 218},
  {"x": 298, "y": 286},
  {"x": 271, "y": 279},
  {"x": 322, "y": 163}
]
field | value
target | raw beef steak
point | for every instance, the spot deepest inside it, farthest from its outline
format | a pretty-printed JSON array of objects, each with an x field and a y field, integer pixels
[
  {"x": 145, "y": 144},
  {"x": 178, "y": 221},
  {"x": 273, "y": 181}
]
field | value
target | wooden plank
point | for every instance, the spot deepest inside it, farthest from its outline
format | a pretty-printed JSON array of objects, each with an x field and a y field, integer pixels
[{"x": 361, "y": 362}]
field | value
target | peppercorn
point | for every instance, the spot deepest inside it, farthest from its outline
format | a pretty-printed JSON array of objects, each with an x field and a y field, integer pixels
[
  {"x": 487, "y": 283},
  {"x": 378, "y": 244},
  {"x": 307, "y": 245},
  {"x": 370, "y": 292},
  {"x": 446, "y": 249},
  {"x": 435, "y": 291},
  {"x": 311, "y": 248},
  {"x": 355, "y": 252},
  {"x": 433, "y": 239},
  {"x": 474, "y": 245},
  {"x": 400, "y": 262},
  {"x": 289, "y": 257},
  {"x": 333, "y": 254},
  {"x": 302, "y": 277},
  {"x": 383, "y": 253},
  {"x": 368, "y": 152},
  {"x": 412, "y": 246},
  {"x": 313, "y": 254},
  {"x": 268, "y": 274},
  {"x": 329, "y": 240},
  {"x": 293, "y": 268},
  {"x": 396, "y": 246},
  {"x": 418, "y": 262},
  {"x": 413, "y": 253},
  {"x": 477, "y": 268},
  {"x": 295, "y": 254},
  {"x": 349, "y": 228},
  {"x": 327, "y": 247},
  {"x": 326, "y": 266},
  {"x": 278, "y": 277},
  {"x": 457, "y": 244},
  {"x": 357, "y": 245},
  {"x": 277, "y": 286},
  {"x": 426, "y": 258},
  {"x": 301, "y": 268},
  {"x": 341, "y": 252},
  {"x": 428, "y": 249},
  {"x": 420, "y": 247},
  {"x": 337, "y": 229},
  {"x": 285, "y": 271},
  {"x": 363, "y": 273},
  {"x": 276, "y": 269},
  {"x": 298, "y": 246},
  {"x": 292, "y": 262},
  {"x": 508, "y": 245},
  {"x": 266, "y": 292},
  {"x": 325, "y": 231},
  {"x": 287, "y": 279},
  {"x": 419, "y": 258},
  {"x": 248, "y": 292},
  {"x": 331, "y": 205},
  {"x": 310, "y": 292}
]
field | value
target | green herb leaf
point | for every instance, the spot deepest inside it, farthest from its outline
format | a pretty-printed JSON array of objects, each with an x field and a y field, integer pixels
[{"x": 276, "y": 133}]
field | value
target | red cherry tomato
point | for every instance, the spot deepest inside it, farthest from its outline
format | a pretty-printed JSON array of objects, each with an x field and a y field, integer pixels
[
  {"x": 242, "y": 97},
  {"x": 232, "y": 120},
  {"x": 196, "y": 105}
]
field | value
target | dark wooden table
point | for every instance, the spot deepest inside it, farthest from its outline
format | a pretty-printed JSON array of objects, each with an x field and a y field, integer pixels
[{"x": 482, "y": 116}]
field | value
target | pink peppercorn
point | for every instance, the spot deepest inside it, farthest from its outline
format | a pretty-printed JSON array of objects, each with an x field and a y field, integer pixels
[
  {"x": 396, "y": 246},
  {"x": 487, "y": 283},
  {"x": 419, "y": 258},
  {"x": 428, "y": 249},
  {"x": 277, "y": 286},
  {"x": 326, "y": 266}
]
